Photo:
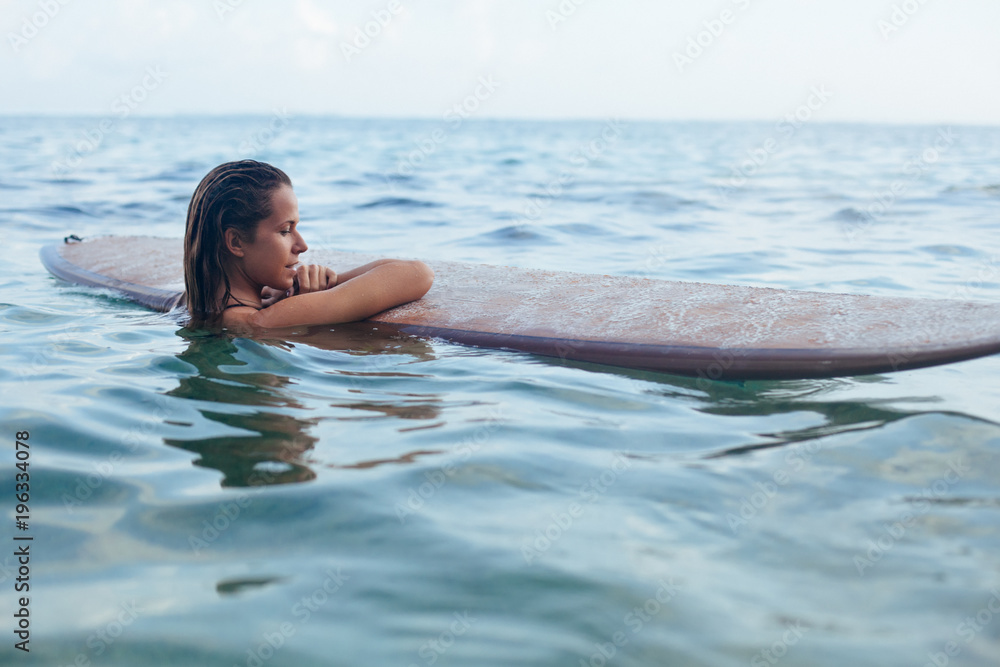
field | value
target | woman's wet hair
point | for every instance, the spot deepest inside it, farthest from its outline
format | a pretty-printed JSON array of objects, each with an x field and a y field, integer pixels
[{"x": 234, "y": 195}]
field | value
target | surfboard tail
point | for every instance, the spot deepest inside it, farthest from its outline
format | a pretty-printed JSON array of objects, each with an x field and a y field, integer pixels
[{"x": 151, "y": 297}]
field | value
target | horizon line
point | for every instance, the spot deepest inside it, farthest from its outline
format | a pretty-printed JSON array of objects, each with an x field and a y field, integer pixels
[{"x": 484, "y": 118}]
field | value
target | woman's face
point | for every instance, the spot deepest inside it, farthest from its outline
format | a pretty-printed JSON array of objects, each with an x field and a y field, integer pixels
[{"x": 277, "y": 244}]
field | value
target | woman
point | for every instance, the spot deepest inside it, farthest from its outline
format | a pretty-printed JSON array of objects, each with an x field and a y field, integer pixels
[{"x": 241, "y": 259}]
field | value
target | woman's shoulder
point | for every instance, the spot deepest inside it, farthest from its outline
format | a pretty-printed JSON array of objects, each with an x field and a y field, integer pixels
[{"x": 237, "y": 314}]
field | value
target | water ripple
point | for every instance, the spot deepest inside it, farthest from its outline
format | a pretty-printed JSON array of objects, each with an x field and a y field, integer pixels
[{"x": 371, "y": 491}]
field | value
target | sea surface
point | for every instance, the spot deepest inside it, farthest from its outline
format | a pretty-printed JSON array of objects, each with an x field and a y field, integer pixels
[{"x": 361, "y": 499}]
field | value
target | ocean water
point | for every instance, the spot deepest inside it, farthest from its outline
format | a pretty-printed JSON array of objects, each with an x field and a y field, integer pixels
[{"x": 352, "y": 499}]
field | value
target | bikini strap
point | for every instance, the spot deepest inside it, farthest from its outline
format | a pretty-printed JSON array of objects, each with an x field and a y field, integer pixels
[{"x": 240, "y": 305}]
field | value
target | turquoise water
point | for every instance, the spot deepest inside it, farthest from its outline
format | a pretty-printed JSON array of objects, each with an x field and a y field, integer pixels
[{"x": 350, "y": 498}]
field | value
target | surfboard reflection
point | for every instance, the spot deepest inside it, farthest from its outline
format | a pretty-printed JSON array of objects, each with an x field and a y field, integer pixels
[{"x": 769, "y": 398}]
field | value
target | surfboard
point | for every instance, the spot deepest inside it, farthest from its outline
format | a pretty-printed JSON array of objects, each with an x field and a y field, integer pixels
[{"x": 704, "y": 330}]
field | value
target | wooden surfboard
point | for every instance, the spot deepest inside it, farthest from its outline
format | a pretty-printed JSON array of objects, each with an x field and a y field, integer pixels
[{"x": 703, "y": 330}]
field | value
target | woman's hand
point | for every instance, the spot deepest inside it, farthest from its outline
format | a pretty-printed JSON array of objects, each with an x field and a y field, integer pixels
[
  {"x": 313, "y": 278},
  {"x": 308, "y": 278},
  {"x": 359, "y": 293},
  {"x": 270, "y": 296}
]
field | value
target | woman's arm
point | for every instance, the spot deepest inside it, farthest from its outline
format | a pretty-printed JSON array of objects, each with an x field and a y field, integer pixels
[
  {"x": 314, "y": 278},
  {"x": 358, "y": 294},
  {"x": 354, "y": 273}
]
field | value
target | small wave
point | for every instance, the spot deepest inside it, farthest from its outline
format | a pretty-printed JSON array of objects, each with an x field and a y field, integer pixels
[
  {"x": 512, "y": 234},
  {"x": 398, "y": 202},
  {"x": 61, "y": 211},
  {"x": 661, "y": 201},
  {"x": 955, "y": 502},
  {"x": 66, "y": 180},
  {"x": 581, "y": 229},
  {"x": 950, "y": 250},
  {"x": 849, "y": 214},
  {"x": 170, "y": 176},
  {"x": 992, "y": 190},
  {"x": 650, "y": 201},
  {"x": 141, "y": 206},
  {"x": 346, "y": 183},
  {"x": 389, "y": 177},
  {"x": 36, "y": 317}
]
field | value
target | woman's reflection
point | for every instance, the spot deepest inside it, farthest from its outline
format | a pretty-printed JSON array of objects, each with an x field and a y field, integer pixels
[{"x": 272, "y": 443}]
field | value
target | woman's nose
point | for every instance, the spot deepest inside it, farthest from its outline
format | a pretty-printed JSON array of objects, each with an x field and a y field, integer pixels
[{"x": 300, "y": 243}]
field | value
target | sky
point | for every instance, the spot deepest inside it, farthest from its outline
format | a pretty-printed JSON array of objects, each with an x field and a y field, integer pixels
[{"x": 879, "y": 61}]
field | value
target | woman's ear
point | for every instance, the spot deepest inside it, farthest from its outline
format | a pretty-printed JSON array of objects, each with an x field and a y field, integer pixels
[{"x": 234, "y": 243}]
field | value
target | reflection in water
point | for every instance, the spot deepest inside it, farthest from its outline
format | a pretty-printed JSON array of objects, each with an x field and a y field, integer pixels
[
  {"x": 405, "y": 409},
  {"x": 236, "y": 586},
  {"x": 357, "y": 338},
  {"x": 271, "y": 452},
  {"x": 766, "y": 399},
  {"x": 786, "y": 398},
  {"x": 761, "y": 398},
  {"x": 271, "y": 423},
  {"x": 374, "y": 463},
  {"x": 274, "y": 448}
]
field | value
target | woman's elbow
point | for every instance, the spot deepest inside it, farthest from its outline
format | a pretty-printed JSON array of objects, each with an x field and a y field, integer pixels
[{"x": 423, "y": 277}]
